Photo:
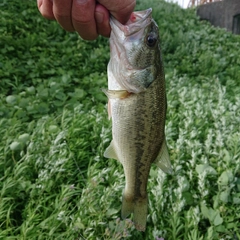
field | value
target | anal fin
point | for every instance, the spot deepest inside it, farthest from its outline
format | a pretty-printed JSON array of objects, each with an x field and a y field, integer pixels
[
  {"x": 163, "y": 159},
  {"x": 110, "y": 152}
]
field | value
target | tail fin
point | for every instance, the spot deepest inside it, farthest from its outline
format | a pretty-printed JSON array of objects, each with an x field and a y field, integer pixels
[{"x": 139, "y": 209}]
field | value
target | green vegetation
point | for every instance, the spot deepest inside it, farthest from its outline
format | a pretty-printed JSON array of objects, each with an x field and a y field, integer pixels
[{"x": 55, "y": 182}]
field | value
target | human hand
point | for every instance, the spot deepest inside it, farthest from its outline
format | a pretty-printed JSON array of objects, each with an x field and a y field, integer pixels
[{"x": 89, "y": 18}]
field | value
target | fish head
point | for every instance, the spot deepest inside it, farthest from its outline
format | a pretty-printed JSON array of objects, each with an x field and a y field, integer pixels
[{"x": 135, "y": 51}]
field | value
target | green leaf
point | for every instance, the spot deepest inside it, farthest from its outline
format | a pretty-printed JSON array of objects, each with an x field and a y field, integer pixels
[
  {"x": 224, "y": 195},
  {"x": 205, "y": 168},
  {"x": 31, "y": 90},
  {"x": 204, "y": 210},
  {"x": 11, "y": 99},
  {"x": 231, "y": 225},
  {"x": 213, "y": 215},
  {"x": 53, "y": 129},
  {"x": 188, "y": 197},
  {"x": 218, "y": 219},
  {"x": 225, "y": 178},
  {"x": 210, "y": 233},
  {"x": 236, "y": 198},
  {"x": 24, "y": 138},
  {"x": 220, "y": 228},
  {"x": 16, "y": 146},
  {"x": 111, "y": 211}
]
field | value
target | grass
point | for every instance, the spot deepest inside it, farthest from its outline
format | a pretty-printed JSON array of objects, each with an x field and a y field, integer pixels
[{"x": 55, "y": 182}]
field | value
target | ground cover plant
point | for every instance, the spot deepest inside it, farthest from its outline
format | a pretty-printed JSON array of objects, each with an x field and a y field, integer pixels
[{"x": 55, "y": 182}]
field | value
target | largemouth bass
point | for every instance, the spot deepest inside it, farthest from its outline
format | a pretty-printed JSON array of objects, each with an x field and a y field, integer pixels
[{"x": 137, "y": 106}]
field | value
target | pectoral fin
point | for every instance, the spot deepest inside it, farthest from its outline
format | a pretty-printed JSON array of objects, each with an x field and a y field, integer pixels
[
  {"x": 163, "y": 160},
  {"x": 110, "y": 152},
  {"x": 116, "y": 93}
]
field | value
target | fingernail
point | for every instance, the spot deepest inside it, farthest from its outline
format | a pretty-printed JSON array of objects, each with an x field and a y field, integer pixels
[
  {"x": 81, "y": 1},
  {"x": 99, "y": 17}
]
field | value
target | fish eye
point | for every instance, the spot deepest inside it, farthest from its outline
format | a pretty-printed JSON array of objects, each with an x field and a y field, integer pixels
[{"x": 151, "y": 40}]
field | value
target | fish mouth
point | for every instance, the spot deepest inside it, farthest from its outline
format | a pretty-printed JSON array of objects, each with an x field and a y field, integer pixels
[
  {"x": 138, "y": 20},
  {"x": 123, "y": 38},
  {"x": 132, "y": 30}
]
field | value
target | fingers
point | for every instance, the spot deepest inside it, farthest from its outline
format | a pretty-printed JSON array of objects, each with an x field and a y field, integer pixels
[
  {"x": 45, "y": 8},
  {"x": 83, "y": 19},
  {"x": 72, "y": 15},
  {"x": 102, "y": 21},
  {"x": 62, "y": 13},
  {"x": 88, "y": 17},
  {"x": 120, "y": 9}
]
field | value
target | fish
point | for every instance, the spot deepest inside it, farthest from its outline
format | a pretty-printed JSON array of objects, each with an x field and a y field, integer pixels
[{"x": 137, "y": 106}]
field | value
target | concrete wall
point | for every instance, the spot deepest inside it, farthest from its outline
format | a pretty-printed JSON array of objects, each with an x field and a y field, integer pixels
[{"x": 221, "y": 13}]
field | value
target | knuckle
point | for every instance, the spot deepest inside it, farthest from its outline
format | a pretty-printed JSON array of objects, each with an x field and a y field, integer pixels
[{"x": 81, "y": 20}]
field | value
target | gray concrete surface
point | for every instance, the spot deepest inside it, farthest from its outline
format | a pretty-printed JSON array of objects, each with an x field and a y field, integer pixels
[{"x": 224, "y": 14}]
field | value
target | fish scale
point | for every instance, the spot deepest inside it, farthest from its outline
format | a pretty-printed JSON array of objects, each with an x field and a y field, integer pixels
[{"x": 137, "y": 106}]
